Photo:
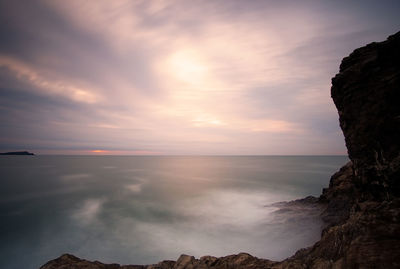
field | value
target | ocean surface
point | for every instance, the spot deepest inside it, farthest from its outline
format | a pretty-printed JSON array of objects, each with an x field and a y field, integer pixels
[{"x": 141, "y": 210}]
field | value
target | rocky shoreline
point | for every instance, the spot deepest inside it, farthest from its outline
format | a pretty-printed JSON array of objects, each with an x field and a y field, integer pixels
[{"x": 361, "y": 206}]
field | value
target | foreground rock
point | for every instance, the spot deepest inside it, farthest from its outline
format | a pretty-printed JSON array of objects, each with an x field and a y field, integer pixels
[
  {"x": 361, "y": 207},
  {"x": 242, "y": 260}
]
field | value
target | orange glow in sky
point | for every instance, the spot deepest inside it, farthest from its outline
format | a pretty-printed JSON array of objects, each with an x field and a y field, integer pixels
[{"x": 99, "y": 151}]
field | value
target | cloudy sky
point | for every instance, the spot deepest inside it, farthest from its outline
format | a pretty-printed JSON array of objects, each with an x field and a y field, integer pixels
[{"x": 178, "y": 77}]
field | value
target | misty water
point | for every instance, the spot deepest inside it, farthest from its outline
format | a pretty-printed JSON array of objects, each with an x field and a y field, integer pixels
[{"x": 140, "y": 210}]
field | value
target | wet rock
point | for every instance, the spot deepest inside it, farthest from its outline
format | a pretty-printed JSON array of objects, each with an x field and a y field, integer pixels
[{"x": 339, "y": 197}]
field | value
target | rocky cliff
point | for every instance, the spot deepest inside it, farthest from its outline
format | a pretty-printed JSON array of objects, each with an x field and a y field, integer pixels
[
  {"x": 362, "y": 204},
  {"x": 366, "y": 93}
]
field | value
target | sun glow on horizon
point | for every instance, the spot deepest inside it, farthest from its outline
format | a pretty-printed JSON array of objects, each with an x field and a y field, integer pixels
[
  {"x": 125, "y": 152},
  {"x": 99, "y": 151}
]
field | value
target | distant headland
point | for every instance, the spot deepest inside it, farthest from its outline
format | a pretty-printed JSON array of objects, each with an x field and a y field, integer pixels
[{"x": 17, "y": 153}]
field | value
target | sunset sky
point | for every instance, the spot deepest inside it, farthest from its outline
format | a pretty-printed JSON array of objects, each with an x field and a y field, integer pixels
[{"x": 178, "y": 77}]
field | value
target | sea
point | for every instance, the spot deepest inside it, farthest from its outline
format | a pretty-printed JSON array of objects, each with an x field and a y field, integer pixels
[{"x": 144, "y": 209}]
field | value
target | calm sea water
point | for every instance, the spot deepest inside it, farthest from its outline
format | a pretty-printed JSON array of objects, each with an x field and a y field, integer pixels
[{"x": 140, "y": 210}]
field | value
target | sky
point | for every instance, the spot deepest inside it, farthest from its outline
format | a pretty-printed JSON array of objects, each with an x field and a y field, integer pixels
[{"x": 179, "y": 77}]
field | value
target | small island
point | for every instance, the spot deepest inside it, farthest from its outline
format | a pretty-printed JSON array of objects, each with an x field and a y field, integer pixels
[{"x": 24, "y": 153}]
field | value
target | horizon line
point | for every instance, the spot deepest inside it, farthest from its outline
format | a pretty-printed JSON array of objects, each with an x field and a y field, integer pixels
[{"x": 193, "y": 155}]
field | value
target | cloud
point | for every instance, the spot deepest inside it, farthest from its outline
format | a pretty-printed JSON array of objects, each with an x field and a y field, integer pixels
[
  {"x": 29, "y": 75},
  {"x": 179, "y": 77}
]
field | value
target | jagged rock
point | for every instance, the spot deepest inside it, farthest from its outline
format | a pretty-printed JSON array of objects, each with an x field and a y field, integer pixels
[
  {"x": 242, "y": 260},
  {"x": 306, "y": 210},
  {"x": 361, "y": 207},
  {"x": 366, "y": 93},
  {"x": 363, "y": 197},
  {"x": 68, "y": 261},
  {"x": 339, "y": 197}
]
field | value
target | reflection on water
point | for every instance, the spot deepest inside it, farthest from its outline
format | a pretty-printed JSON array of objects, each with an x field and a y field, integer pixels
[{"x": 144, "y": 209}]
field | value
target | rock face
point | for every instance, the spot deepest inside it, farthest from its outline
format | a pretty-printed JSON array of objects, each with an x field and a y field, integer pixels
[
  {"x": 362, "y": 203},
  {"x": 366, "y": 93}
]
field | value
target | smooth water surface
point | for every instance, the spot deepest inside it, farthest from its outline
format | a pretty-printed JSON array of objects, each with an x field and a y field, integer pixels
[{"x": 140, "y": 210}]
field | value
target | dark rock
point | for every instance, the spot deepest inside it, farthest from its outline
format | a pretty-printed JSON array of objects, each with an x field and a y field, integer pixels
[
  {"x": 306, "y": 210},
  {"x": 68, "y": 261},
  {"x": 241, "y": 260},
  {"x": 17, "y": 153},
  {"x": 366, "y": 93},
  {"x": 361, "y": 207},
  {"x": 339, "y": 197},
  {"x": 362, "y": 212}
]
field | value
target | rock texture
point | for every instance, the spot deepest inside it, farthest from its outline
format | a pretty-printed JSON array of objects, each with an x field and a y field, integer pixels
[
  {"x": 242, "y": 260},
  {"x": 361, "y": 206},
  {"x": 366, "y": 93}
]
